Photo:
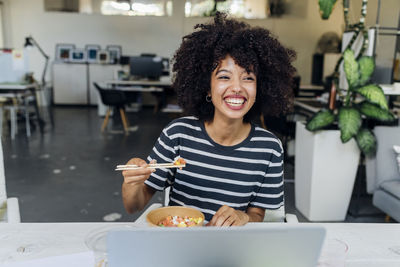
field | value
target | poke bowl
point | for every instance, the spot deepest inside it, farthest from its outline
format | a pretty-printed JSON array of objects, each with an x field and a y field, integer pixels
[{"x": 175, "y": 216}]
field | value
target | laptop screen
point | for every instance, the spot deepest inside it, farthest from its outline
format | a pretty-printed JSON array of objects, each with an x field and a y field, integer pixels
[{"x": 264, "y": 245}]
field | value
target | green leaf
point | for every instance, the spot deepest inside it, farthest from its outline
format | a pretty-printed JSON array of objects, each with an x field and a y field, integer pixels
[
  {"x": 320, "y": 120},
  {"x": 374, "y": 94},
  {"x": 366, "y": 142},
  {"x": 367, "y": 66},
  {"x": 375, "y": 112},
  {"x": 349, "y": 123},
  {"x": 325, "y": 8},
  {"x": 351, "y": 68}
]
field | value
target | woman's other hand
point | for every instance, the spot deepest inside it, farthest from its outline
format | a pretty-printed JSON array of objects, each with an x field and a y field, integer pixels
[
  {"x": 138, "y": 176},
  {"x": 227, "y": 216}
]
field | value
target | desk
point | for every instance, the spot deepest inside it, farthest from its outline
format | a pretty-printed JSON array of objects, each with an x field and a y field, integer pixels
[
  {"x": 311, "y": 87},
  {"x": 23, "y": 88},
  {"x": 309, "y": 105},
  {"x": 161, "y": 86},
  {"x": 370, "y": 245},
  {"x": 162, "y": 83},
  {"x": 391, "y": 89},
  {"x": 310, "y": 90}
]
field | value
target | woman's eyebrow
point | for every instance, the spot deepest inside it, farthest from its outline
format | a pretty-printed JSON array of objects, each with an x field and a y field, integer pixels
[
  {"x": 222, "y": 70},
  {"x": 246, "y": 72}
]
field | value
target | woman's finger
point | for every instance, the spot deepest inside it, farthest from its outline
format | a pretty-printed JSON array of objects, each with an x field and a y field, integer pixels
[
  {"x": 135, "y": 179},
  {"x": 229, "y": 221},
  {"x": 136, "y": 161},
  {"x": 141, "y": 171},
  {"x": 220, "y": 216}
]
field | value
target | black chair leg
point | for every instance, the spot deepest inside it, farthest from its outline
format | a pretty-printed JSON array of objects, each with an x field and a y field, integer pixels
[{"x": 105, "y": 122}]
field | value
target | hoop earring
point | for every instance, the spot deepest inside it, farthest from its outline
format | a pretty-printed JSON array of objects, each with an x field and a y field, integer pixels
[{"x": 208, "y": 98}]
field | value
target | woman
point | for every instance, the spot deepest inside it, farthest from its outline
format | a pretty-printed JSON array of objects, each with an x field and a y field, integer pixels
[{"x": 226, "y": 74}]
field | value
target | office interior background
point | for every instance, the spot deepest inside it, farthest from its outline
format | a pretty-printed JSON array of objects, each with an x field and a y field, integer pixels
[{"x": 65, "y": 171}]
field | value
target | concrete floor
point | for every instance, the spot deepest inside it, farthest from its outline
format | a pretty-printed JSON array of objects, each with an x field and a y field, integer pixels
[{"x": 67, "y": 173}]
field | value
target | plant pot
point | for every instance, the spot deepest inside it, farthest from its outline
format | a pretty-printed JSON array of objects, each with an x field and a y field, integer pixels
[{"x": 325, "y": 171}]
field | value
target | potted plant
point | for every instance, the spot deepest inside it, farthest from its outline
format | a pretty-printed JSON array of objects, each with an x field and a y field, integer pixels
[{"x": 327, "y": 158}]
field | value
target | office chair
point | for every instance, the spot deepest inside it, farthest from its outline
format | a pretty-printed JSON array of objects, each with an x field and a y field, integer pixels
[{"x": 113, "y": 99}]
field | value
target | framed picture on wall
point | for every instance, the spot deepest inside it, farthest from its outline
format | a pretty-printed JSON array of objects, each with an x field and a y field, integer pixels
[
  {"x": 91, "y": 52},
  {"x": 78, "y": 55},
  {"x": 115, "y": 53},
  {"x": 103, "y": 57},
  {"x": 63, "y": 52}
]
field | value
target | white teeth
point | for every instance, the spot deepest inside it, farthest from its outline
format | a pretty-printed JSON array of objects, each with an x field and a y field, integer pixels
[{"x": 235, "y": 101}]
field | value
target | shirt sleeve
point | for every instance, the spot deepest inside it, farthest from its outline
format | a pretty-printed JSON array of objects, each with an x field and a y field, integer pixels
[
  {"x": 270, "y": 194},
  {"x": 164, "y": 152}
]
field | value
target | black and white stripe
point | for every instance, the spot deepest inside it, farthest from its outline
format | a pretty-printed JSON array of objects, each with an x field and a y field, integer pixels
[{"x": 249, "y": 174}]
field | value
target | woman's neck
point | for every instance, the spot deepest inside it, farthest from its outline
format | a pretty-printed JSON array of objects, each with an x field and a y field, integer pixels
[{"x": 227, "y": 133}]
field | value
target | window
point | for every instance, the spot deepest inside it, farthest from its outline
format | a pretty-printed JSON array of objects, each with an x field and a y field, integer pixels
[
  {"x": 61, "y": 5},
  {"x": 249, "y": 9},
  {"x": 112, "y": 7},
  {"x": 137, "y": 8}
]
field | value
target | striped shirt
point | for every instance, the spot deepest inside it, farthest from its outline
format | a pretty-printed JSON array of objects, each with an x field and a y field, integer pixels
[{"x": 249, "y": 174}]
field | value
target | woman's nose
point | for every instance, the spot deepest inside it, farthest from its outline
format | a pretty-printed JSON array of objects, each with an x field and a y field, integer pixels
[{"x": 236, "y": 86}]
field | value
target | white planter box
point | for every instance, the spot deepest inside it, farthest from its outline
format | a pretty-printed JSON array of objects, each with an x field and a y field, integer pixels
[{"x": 325, "y": 171}]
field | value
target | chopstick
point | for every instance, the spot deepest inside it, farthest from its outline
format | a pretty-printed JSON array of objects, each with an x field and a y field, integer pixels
[
  {"x": 153, "y": 166},
  {"x": 149, "y": 165}
]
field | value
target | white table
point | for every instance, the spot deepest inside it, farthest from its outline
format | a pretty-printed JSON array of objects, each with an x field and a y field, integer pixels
[
  {"x": 370, "y": 245},
  {"x": 376, "y": 245},
  {"x": 6, "y": 88}
]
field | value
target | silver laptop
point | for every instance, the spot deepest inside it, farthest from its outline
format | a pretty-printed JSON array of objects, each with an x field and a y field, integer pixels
[{"x": 257, "y": 245}]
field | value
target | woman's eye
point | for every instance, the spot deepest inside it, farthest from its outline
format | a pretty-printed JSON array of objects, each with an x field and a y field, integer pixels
[
  {"x": 223, "y": 78},
  {"x": 249, "y": 78}
]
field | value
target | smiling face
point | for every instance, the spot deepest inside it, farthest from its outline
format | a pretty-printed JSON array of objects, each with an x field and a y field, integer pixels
[{"x": 233, "y": 90}]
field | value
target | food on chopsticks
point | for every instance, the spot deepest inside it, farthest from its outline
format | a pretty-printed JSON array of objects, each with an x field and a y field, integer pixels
[
  {"x": 179, "y": 163},
  {"x": 178, "y": 221}
]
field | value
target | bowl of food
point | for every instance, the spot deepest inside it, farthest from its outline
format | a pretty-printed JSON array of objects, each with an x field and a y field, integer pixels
[{"x": 175, "y": 216}]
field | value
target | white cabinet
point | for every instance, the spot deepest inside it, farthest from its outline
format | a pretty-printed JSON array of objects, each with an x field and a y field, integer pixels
[
  {"x": 70, "y": 83},
  {"x": 73, "y": 82}
]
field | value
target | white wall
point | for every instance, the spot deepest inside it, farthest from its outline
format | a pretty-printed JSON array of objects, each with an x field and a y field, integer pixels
[
  {"x": 1, "y": 26},
  {"x": 160, "y": 35}
]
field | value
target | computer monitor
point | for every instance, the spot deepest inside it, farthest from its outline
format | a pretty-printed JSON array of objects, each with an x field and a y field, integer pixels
[{"x": 146, "y": 67}]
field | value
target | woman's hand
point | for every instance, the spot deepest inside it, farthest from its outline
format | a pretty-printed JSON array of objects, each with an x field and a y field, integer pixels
[
  {"x": 135, "y": 193},
  {"x": 138, "y": 176},
  {"x": 227, "y": 216}
]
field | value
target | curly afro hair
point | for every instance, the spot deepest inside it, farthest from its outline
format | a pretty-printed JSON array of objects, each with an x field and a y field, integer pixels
[{"x": 252, "y": 48}]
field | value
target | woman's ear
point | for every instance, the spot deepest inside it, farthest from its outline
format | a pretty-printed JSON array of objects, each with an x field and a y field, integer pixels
[{"x": 208, "y": 98}]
